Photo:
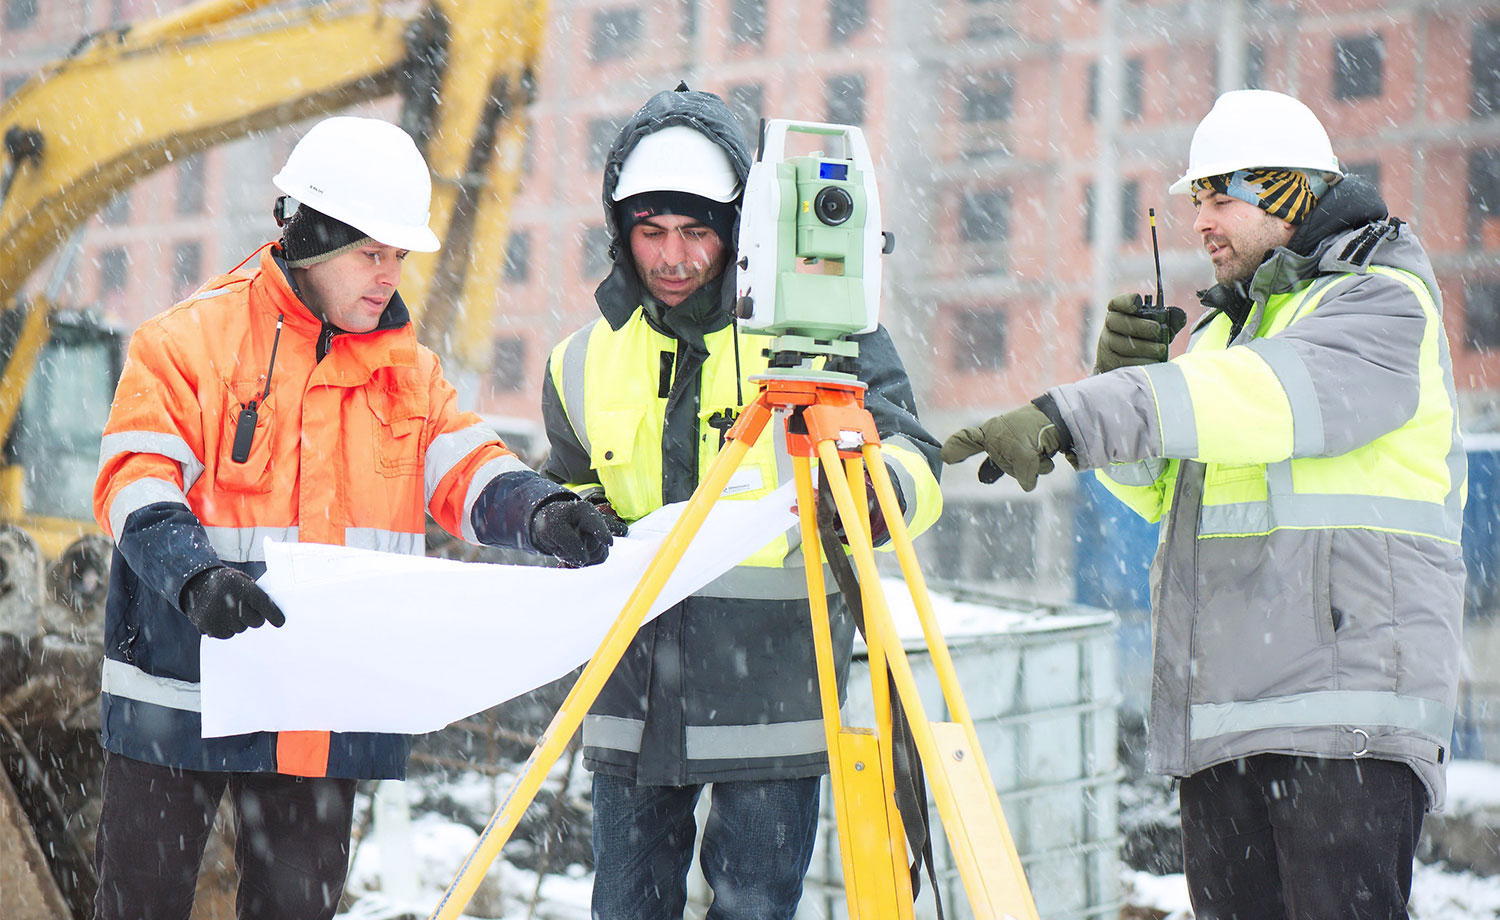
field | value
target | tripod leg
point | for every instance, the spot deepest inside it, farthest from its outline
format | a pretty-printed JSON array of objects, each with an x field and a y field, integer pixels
[
  {"x": 874, "y": 875},
  {"x": 977, "y": 833},
  {"x": 570, "y": 715}
]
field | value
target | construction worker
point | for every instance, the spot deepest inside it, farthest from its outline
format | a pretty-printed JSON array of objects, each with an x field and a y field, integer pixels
[
  {"x": 721, "y": 689},
  {"x": 287, "y": 399},
  {"x": 1304, "y": 459}
]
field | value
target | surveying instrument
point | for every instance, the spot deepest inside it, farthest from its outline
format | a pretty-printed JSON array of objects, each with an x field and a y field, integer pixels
[{"x": 809, "y": 276}]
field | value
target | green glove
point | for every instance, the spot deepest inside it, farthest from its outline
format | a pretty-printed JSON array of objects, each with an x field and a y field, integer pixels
[
  {"x": 1021, "y": 442},
  {"x": 1132, "y": 337}
]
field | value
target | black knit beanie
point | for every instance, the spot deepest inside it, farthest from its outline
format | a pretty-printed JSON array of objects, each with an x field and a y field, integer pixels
[
  {"x": 310, "y": 237},
  {"x": 718, "y": 216}
]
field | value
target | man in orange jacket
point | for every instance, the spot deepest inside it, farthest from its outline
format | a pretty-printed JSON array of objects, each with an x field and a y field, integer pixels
[{"x": 287, "y": 399}]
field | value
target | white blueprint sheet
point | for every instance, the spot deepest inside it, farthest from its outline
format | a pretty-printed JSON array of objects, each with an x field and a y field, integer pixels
[{"x": 383, "y": 642}]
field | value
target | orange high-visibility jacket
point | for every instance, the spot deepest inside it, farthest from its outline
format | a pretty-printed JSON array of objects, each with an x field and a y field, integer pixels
[{"x": 356, "y": 438}]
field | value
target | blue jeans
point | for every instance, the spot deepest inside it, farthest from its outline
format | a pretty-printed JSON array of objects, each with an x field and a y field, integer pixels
[{"x": 756, "y": 847}]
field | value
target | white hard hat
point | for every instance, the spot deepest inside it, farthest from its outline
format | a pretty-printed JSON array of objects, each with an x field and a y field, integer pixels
[
  {"x": 367, "y": 173},
  {"x": 678, "y": 159},
  {"x": 1257, "y": 129}
]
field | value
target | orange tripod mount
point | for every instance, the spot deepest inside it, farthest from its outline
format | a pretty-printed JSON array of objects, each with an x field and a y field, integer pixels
[{"x": 825, "y": 419}]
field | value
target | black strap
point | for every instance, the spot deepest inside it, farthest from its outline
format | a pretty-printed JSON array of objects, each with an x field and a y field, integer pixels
[{"x": 911, "y": 783}]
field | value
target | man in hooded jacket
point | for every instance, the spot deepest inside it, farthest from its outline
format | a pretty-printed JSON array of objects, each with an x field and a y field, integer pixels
[
  {"x": 721, "y": 689},
  {"x": 1304, "y": 459},
  {"x": 286, "y": 399}
]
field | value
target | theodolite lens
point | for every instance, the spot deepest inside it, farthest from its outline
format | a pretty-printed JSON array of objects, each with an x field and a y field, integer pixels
[{"x": 833, "y": 205}]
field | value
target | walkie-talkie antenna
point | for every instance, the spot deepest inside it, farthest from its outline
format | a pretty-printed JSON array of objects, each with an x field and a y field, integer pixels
[{"x": 1156, "y": 256}]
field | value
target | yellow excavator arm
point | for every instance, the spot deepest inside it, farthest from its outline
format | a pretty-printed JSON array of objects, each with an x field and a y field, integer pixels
[{"x": 128, "y": 101}]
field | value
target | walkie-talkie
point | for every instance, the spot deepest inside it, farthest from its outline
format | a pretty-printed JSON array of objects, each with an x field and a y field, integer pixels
[{"x": 1156, "y": 310}]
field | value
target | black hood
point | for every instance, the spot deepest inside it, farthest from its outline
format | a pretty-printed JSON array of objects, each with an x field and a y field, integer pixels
[
  {"x": 620, "y": 294},
  {"x": 1350, "y": 204}
]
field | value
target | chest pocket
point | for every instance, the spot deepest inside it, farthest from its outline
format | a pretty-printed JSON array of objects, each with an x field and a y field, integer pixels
[
  {"x": 629, "y": 479},
  {"x": 400, "y": 416},
  {"x": 255, "y": 474}
]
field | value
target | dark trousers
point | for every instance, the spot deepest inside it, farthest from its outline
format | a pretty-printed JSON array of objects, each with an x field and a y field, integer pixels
[
  {"x": 291, "y": 850},
  {"x": 757, "y": 844},
  {"x": 1277, "y": 837}
]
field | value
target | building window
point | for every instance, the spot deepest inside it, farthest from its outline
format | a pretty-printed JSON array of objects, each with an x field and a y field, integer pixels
[
  {"x": 1358, "y": 66},
  {"x": 1368, "y": 170},
  {"x": 508, "y": 367},
  {"x": 596, "y": 261},
  {"x": 114, "y": 270},
  {"x": 187, "y": 268},
  {"x": 987, "y": 96},
  {"x": 1484, "y": 69},
  {"x": 1482, "y": 315},
  {"x": 615, "y": 33},
  {"x": 1483, "y": 224},
  {"x": 844, "y": 99},
  {"x": 1134, "y": 89},
  {"x": 983, "y": 541},
  {"x": 980, "y": 337},
  {"x": 1130, "y": 203},
  {"x": 191, "y": 185},
  {"x": 689, "y": 18},
  {"x": 19, "y": 13},
  {"x": 845, "y": 18},
  {"x": 11, "y": 83},
  {"x": 602, "y": 134},
  {"x": 747, "y": 102},
  {"x": 117, "y": 211},
  {"x": 983, "y": 216},
  {"x": 747, "y": 22},
  {"x": 518, "y": 257}
]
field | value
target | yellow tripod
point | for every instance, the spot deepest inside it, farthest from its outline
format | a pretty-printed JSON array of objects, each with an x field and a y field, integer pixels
[{"x": 825, "y": 419}]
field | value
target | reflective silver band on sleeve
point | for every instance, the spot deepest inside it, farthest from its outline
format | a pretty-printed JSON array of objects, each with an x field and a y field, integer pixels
[
  {"x": 1138, "y": 473},
  {"x": 138, "y": 495},
  {"x": 386, "y": 541},
  {"x": 449, "y": 449},
  {"x": 1174, "y": 410},
  {"x": 905, "y": 447},
  {"x": 246, "y": 544},
  {"x": 572, "y": 388},
  {"x": 482, "y": 478},
  {"x": 170, "y": 446}
]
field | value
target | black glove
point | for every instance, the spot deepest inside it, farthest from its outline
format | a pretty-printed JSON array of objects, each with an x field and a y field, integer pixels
[
  {"x": 617, "y": 525},
  {"x": 222, "y": 602},
  {"x": 1021, "y": 442},
  {"x": 571, "y": 530},
  {"x": 880, "y": 531},
  {"x": 1134, "y": 334}
]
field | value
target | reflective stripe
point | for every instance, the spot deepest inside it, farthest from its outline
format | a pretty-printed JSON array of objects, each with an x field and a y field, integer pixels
[
  {"x": 1307, "y": 511},
  {"x": 386, "y": 541},
  {"x": 575, "y": 353},
  {"x": 613, "y": 732},
  {"x": 482, "y": 478},
  {"x": 153, "y": 442},
  {"x": 763, "y": 583},
  {"x": 246, "y": 544},
  {"x": 904, "y": 479},
  {"x": 205, "y": 295},
  {"x": 449, "y": 450},
  {"x": 138, "y": 495},
  {"x": 1140, "y": 473},
  {"x": 1330, "y": 707},
  {"x": 750, "y": 742},
  {"x": 1296, "y": 383},
  {"x": 1174, "y": 410},
  {"x": 713, "y": 742},
  {"x": 130, "y": 682}
]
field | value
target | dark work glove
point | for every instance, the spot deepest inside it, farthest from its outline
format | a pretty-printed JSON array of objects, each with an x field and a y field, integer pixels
[
  {"x": 222, "y": 602},
  {"x": 1133, "y": 334},
  {"x": 571, "y": 530},
  {"x": 617, "y": 525},
  {"x": 1021, "y": 442},
  {"x": 880, "y": 532}
]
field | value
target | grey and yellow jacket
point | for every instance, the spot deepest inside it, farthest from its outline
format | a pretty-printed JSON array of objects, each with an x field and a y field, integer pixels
[
  {"x": 723, "y": 685},
  {"x": 1304, "y": 459}
]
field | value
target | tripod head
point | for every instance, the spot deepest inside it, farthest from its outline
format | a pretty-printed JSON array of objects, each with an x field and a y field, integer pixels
[{"x": 810, "y": 246}]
